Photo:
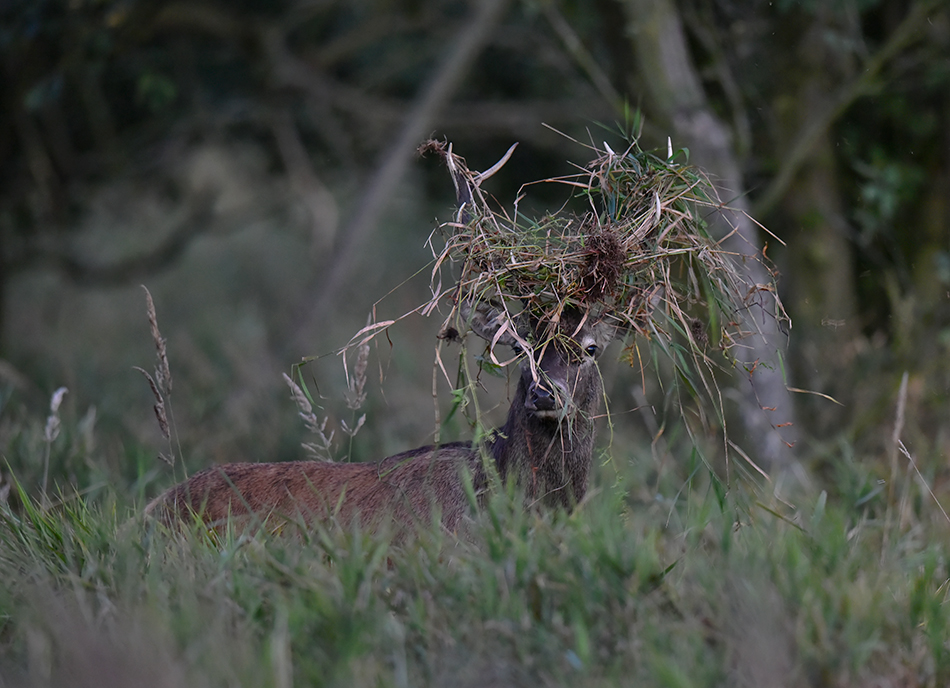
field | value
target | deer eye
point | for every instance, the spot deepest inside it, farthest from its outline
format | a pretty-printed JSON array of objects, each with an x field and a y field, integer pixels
[{"x": 591, "y": 350}]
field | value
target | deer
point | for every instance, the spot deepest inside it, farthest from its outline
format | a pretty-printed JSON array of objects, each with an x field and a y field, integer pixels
[{"x": 545, "y": 446}]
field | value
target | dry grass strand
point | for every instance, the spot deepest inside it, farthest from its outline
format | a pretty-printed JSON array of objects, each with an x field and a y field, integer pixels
[
  {"x": 322, "y": 448},
  {"x": 159, "y": 406},
  {"x": 163, "y": 373},
  {"x": 356, "y": 383}
]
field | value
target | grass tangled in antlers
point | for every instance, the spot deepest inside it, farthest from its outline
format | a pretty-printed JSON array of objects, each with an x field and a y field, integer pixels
[{"x": 641, "y": 252}]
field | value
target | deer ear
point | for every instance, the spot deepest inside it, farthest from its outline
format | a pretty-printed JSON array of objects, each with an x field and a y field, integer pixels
[{"x": 490, "y": 321}]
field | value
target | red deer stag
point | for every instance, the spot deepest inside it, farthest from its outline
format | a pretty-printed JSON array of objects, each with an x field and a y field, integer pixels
[{"x": 545, "y": 446}]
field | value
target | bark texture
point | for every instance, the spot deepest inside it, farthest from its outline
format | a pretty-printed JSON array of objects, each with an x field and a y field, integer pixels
[
  {"x": 820, "y": 267},
  {"x": 675, "y": 96}
]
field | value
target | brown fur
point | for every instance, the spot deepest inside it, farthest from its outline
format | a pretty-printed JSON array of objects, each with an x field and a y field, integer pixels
[{"x": 545, "y": 446}]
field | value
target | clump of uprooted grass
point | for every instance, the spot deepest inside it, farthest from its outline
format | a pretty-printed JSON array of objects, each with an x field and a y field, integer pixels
[
  {"x": 640, "y": 253},
  {"x": 643, "y": 241}
]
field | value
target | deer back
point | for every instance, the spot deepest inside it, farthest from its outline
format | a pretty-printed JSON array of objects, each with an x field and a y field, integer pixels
[{"x": 408, "y": 489}]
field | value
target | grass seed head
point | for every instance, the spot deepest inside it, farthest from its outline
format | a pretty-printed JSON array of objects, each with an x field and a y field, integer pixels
[
  {"x": 159, "y": 406},
  {"x": 51, "y": 432},
  {"x": 163, "y": 373},
  {"x": 356, "y": 383}
]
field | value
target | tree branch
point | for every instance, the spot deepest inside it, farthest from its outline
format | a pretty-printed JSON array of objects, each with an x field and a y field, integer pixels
[
  {"x": 581, "y": 56},
  {"x": 124, "y": 270},
  {"x": 391, "y": 165},
  {"x": 201, "y": 220}
]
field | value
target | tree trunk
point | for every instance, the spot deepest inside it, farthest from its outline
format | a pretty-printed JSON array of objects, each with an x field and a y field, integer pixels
[
  {"x": 821, "y": 285},
  {"x": 675, "y": 95}
]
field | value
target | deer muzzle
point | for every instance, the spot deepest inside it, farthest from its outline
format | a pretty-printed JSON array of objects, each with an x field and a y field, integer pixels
[{"x": 544, "y": 401}]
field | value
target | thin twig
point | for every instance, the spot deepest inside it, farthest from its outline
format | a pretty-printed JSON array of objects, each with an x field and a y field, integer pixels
[
  {"x": 579, "y": 53},
  {"x": 903, "y": 450},
  {"x": 896, "y": 434}
]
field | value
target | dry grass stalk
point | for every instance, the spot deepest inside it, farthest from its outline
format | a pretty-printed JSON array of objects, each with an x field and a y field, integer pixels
[
  {"x": 159, "y": 406},
  {"x": 356, "y": 384},
  {"x": 163, "y": 373},
  {"x": 896, "y": 434},
  {"x": 51, "y": 431},
  {"x": 356, "y": 390},
  {"x": 322, "y": 448},
  {"x": 161, "y": 383}
]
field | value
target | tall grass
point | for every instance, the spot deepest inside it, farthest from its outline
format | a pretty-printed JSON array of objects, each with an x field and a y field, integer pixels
[
  {"x": 664, "y": 576},
  {"x": 678, "y": 584}
]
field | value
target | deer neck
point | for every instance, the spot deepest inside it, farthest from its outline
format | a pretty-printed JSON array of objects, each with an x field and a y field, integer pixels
[{"x": 550, "y": 459}]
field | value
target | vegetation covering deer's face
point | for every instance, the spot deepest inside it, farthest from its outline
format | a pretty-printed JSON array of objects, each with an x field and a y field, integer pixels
[{"x": 559, "y": 374}]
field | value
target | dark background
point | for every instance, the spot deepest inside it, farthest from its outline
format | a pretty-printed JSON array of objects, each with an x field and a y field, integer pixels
[{"x": 253, "y": 164}]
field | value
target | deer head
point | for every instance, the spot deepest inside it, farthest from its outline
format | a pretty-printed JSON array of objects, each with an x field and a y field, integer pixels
[{"x": 547, "y": 442}]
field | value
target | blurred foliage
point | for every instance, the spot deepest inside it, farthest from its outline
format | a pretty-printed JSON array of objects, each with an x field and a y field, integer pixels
[{"x": 662, "y": 584}]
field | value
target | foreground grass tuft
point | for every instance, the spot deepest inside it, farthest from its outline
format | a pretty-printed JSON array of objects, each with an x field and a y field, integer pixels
[{"x": 706, "y": 592}]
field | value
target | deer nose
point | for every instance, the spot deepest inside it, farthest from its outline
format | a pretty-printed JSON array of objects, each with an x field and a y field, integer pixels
[{"x": 540, "y": 398}]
